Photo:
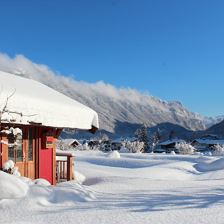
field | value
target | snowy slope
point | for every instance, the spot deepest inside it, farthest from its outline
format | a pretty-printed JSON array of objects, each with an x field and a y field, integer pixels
[
  {"x": 135, "y": 188},
  {"x": 118, "y": 109}
]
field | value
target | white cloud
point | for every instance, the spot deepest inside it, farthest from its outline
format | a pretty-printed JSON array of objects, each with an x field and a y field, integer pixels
[{"x": 25, "y": 67}]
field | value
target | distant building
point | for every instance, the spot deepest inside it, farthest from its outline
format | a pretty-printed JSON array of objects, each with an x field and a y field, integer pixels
[
  {"x": 168, "y": 146},
  {"x": 71, "y": 142},
  {"x": 202, "y": 144}
]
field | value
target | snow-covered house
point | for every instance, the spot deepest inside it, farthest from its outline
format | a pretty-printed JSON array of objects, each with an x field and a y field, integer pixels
[
  {"x": 40, "y": 113},
  {"x": 70, "y": 142},
  {"x": 168, "y": 146},
  {"x": 203, "y": 144}
]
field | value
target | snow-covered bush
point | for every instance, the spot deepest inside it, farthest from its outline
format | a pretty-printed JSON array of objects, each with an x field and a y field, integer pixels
[
  {"x": 114, "y": 155},
  {"x": 11, "y": 130},
  {"x": 61, "y": 145},
  {"x": 207, "y": 153},
  {"x": 105, "y": 146},
  {"x": 13, "y": 133},
  {"x": 9, "y": 167},
  {"x": 135, "y": 147},
  {"x": 184, "y": 148},
  {"x": 85, "y": 146},
  {"x": 218, "y": 150}
]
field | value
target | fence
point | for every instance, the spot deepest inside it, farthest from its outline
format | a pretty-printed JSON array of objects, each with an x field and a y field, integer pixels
[{"x": 64, "y": 167}]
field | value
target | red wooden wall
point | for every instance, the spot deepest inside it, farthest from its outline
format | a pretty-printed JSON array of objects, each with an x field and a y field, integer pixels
[
  {"x": 45, "y": 159},
  {"x": 0, "y": 154},
  {"x": 46, "y": 164}
]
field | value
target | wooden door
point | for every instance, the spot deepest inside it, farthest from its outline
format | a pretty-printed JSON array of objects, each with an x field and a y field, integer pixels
[
  {"x": 47, "y": 157},
  {"x": 24, "y": 153},
  {"x": 30, "y": 153}
]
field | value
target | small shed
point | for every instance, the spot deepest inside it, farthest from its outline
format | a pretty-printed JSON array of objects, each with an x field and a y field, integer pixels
[
  {"x": 73, "y": 143},
  {"x": 40, "y": 113}
]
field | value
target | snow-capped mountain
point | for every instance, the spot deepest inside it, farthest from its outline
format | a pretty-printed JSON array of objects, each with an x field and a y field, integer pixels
[
  {"x": 120, "y": 110},
  {"x": 210, "y": 121}
]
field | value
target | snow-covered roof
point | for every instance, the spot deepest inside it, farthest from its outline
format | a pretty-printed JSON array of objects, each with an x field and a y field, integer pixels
[
  {"x": 172, "y": 141},
  {"x": 210, "y": 141},
  {"x": 70, "y": 141},
  {"x": 33, "y": 102}
]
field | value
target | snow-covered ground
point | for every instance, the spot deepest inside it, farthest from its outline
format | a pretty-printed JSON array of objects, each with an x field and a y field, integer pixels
[{"x": 135, "y": 188}]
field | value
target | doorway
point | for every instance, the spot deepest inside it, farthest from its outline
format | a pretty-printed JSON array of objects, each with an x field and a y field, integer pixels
[{"x": 23, "y": 153}]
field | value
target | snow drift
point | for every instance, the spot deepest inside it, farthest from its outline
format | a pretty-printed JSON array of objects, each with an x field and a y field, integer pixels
[
  {"x": 210, "y": 166},
  {"x": 12, "y": 186},
  {"x": 41, "y": 192}
]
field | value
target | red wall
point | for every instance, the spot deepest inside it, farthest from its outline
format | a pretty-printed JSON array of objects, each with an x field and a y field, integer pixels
[
  {"x": 0, "y": 155},
  {"x": 46, "y": 164}
]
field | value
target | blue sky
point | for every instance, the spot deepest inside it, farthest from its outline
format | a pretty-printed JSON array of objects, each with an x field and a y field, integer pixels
[{"x": 174, "y": 49}]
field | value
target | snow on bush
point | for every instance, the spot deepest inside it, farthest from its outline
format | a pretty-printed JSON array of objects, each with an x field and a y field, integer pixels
[
  {"x": 85, "y": 146},
  {"x": 172, "y": 153},
  {"x": 14, "y": 131},
  {"x": 135, "y": 147},
  {"x": 184, "y": 148},
  {"x": 66, "y": 147},
  {"x": 16, "y": 172},
  {"x": 9, "y": 167},
  {"x": 12, "y": 186},
  {"x": 207, "y": 153},
  {"x": 114, "y": 155},
  {"x": 218, "y": 150}
]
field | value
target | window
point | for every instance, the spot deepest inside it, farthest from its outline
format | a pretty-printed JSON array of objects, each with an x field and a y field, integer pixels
[
  {"x": 11, "y": 147},
  {"x": 15, "y": 148},
  {"x": 30, "y": 144},
  {"x": 19, "y": 148}
]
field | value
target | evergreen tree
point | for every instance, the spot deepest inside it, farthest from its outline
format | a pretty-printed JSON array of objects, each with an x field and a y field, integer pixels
[
  {"x": 155, "y": 139},
  {"x": 142, "y": 136}
]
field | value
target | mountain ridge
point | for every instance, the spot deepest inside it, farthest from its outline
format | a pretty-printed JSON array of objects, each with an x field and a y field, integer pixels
[{"x": 116, "y": 107}]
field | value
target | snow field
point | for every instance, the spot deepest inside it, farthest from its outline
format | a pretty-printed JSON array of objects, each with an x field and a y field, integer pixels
[{"x": 135, "y": 188}]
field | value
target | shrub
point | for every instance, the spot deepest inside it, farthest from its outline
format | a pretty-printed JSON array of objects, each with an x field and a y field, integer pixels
[
  {"x": 184, "y": 148},
  {"x": 218, "y": 150},
  {"x": 135, "y": 147}
]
